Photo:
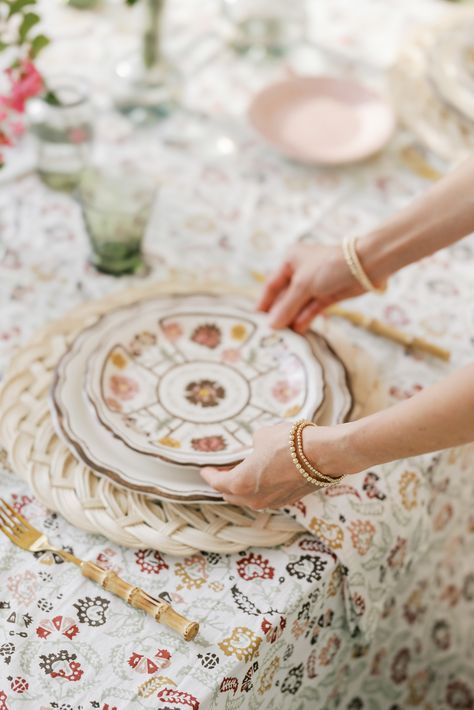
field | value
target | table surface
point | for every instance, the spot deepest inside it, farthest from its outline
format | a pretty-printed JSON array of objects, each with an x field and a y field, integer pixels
[{"x": 286, "y": 627}]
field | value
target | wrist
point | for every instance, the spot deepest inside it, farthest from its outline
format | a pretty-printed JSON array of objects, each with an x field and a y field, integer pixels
[
  {"x": 335, "y": 450},
  {"x": 380, "y": 253}
]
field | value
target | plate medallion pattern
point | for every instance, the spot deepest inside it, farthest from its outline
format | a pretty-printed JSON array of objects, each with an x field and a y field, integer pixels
[{"x": 194, "y": 386}]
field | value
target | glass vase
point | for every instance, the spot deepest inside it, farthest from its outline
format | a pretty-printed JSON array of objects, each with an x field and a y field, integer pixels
[{"x": 146, "y": 84}]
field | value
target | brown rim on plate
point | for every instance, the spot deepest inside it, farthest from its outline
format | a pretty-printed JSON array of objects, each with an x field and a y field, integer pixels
[{"x": 154, "y": 490}]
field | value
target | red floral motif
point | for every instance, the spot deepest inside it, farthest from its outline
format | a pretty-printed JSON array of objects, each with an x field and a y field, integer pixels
[
  {"x": 209, "y": 443},
  {"x": 358, "y": 604},
  {"x": 3, "y": 697},
  {"x": 207, "y": 335},
  {"x": 341, "y": 491},
  {"x": 329, "y": 651},
  {"x": 124, "y": 388},
  {"x": 68, "y": 667},
  {"x": 179, "y": 697},
  {"x": 229, "y": 684},
  {"x": 62, "y": 625},
  {"x": 397, "y": 554},
  {"x": 459, "y": 696},
  {"x": 19, "y": 685},
  {"x": 205, "y": 393},
  {"x": 150, "y": 561},
  {"x": 273, "y": 632},
  {"x": 144, "y": 664},
  {"x": 19, "y": 502},
  {"x": 370, "y": 486},
  {"x": 399, "y": 671},
  {"x": 284, "y": 391},
  {"x": 254, "y": 566},
  {"x": 396, "y": 316},
  {"x": 299, "y": 505},
  {"x": 400, "y": 393}
]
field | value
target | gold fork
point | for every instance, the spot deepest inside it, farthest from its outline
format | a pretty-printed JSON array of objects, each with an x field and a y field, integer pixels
[{"x": 21, "y": 533}]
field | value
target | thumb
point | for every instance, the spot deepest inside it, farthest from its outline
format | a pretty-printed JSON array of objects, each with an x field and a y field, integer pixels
[{"x": 215, "y": 477}]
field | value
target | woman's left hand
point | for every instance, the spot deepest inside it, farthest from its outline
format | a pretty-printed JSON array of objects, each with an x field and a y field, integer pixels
[{"x": 267, "y": 478}]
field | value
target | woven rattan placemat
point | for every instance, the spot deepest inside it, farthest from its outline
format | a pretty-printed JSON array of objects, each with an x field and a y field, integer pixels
[{"x": 68, "y": 486}]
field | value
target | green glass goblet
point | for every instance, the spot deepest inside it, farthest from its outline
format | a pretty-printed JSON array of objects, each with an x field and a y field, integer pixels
[{"x": 116, "y": 211}]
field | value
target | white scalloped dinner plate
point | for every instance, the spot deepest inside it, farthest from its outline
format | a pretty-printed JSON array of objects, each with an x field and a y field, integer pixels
[
  {"x": 81, "y": 430},
  {"x": 191, "y": 383}
]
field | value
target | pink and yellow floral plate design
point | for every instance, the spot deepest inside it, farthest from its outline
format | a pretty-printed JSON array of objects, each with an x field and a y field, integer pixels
[{"x": 191, "y": 386}]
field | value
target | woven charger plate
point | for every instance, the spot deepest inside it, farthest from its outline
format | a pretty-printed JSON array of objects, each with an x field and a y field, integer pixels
[{"x": 68, "y": 486}]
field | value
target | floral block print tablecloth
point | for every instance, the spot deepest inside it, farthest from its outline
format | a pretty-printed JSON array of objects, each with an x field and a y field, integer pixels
[{"x": 371, "y": 607}]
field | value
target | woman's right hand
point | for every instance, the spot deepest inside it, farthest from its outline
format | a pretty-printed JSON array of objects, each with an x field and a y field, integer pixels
[{"x": 311, "y": 278}]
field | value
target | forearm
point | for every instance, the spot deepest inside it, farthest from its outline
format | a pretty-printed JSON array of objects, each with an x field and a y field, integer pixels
[
  {"x": 439, "y": 417},
  {"x": 441, "y": 216}
]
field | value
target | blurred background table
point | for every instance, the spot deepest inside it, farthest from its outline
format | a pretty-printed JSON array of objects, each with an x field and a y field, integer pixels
[{"x": 228, "y": 208}]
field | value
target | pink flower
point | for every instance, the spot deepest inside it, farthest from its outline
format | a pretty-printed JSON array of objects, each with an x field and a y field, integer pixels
[
  {"x": 284, "y": 392},
  {"x": 209, "y": 443},
  {"x": 172, "y": 331},
  {"x": 123, "y": 388},
  {"x": 25, "y": 82},
  {"x": 230, "y": 355}
]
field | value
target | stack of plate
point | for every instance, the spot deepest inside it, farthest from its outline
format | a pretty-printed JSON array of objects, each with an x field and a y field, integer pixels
[{"x": 157, "y": 389}]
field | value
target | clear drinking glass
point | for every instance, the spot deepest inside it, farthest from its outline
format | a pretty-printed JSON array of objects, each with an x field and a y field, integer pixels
[
  {"x": 116, "y": 210},
  {"x": 267, "y": 27},
  {"x": 145, "y": 87},
  {"x": 61, "y": 121}
]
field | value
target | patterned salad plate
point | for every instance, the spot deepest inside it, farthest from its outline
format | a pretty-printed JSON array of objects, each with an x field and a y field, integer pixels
[
  {"x": 193, "y": 383},
  {"x": 185, "y": 352}
]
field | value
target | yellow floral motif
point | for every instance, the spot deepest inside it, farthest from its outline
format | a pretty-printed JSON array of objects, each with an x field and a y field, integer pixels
[
  {"x": 258, "y": 276},
  {"x": 408, "y": 487},
  {"x": 216, "y": 586},
  {"x": 335, "y": 582},
  {"x": 150, "y": 686},
  {"x": 266, "y": 680},
  {"x": 192, "y": 572},
  {"x": 118, "y": 360},
  {"x": 242, "y": 643},
  {"x": 292, "y": 411},
  {"x": 332, "y": 535},
  {"x": 239, "y": 331},
  {"x": 362, "y": 533},
  {"x": 169, "y": 441}
]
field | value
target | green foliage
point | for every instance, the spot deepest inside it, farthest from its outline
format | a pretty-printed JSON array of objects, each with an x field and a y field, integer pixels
[{"x": 18, "y": 16}]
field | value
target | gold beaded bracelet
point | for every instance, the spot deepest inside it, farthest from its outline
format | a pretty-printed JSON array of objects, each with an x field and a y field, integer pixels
[
  {"x": 316, "y": 478},
  {"x": 299, "y": 450},
  {"x": 356, "y": 268}
]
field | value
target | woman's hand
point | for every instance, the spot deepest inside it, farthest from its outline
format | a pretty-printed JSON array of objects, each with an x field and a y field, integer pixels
[
  {"x": 311, "y": 278},
  {"x": 268, "y": 477}
]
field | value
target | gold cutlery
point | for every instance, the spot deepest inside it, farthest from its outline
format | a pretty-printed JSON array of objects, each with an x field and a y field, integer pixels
[
  {"x": 21, "y": 533},
  {"x": 378, "y": 327}
]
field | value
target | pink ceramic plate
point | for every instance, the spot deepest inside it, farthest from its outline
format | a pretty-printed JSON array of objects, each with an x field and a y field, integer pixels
[{"x": 322, "y": 119}]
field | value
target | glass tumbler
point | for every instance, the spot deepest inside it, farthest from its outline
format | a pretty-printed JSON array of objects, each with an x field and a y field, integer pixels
[
  {"x": 61, "y": 121},
  {"x": 266, "y": 27},
  {"x": 116, "y": 210}
]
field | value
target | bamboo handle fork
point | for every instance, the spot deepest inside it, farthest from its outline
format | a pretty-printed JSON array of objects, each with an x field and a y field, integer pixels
[{"x": 21, "y": 533}]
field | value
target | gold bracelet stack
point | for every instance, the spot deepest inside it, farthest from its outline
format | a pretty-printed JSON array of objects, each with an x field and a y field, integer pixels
[
  {"x": 356, "y": 268},
  {"x": 304, "y": 467}
]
